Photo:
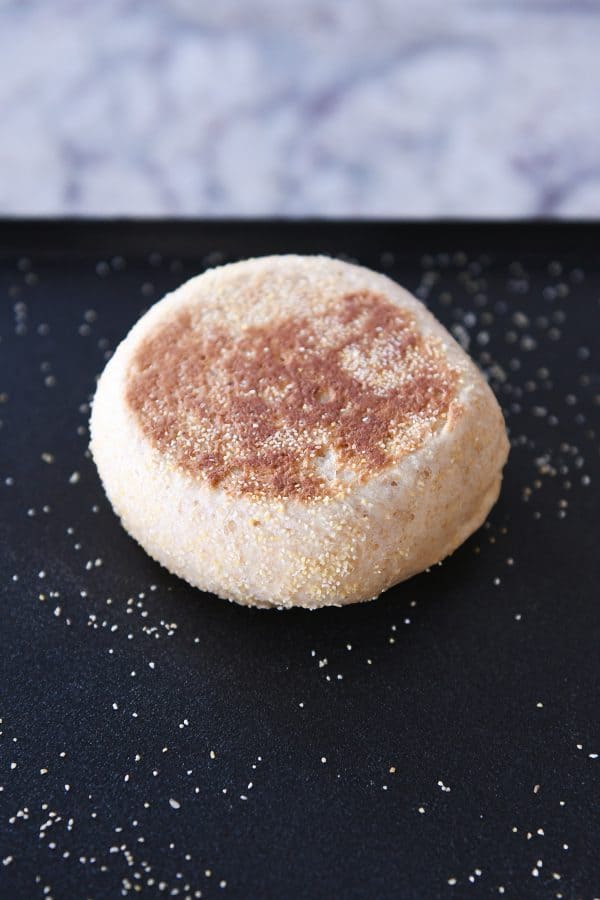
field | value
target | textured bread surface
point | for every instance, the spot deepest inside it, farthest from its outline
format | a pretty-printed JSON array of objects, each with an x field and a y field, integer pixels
[{"x": 296, "y": 431}]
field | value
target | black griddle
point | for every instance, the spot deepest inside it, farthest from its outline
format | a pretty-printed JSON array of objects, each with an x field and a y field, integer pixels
[{"x": 442, "y": 741}]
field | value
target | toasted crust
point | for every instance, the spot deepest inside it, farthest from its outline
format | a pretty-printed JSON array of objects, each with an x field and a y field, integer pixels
[
  {"x": 296, "y": 431},
  {"x": 299, "y": 406}
]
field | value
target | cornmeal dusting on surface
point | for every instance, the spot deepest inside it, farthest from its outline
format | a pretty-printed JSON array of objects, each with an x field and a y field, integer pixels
[{"x": 293, "y": 408}]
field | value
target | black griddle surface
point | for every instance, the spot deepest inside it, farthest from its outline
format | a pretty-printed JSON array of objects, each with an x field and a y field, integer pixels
[{"x": 442, "y": 741}]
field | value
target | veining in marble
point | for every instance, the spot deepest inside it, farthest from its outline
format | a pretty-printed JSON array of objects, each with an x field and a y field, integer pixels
[{"x": 276, "y": 107}]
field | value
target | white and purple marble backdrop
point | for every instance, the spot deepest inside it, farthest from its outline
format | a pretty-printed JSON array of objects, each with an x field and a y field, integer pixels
[{"x": 299, "y": 107}]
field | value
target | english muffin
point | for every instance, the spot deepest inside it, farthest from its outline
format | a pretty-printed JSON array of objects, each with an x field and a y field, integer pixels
[{"x": 296, "y": 431}]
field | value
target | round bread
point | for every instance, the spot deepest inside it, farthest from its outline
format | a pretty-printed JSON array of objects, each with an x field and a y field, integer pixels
[{"x": 296, "y": 431}]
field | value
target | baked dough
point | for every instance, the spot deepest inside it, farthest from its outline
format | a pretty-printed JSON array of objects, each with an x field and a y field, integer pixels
[{"x": 296, "y": 431}]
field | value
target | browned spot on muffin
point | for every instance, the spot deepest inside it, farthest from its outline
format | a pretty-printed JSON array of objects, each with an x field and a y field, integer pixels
[{"x": 292, "y": 408}]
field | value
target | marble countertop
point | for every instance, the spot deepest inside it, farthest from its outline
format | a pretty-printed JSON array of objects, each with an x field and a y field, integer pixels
[{"x": 305, "y": 107}]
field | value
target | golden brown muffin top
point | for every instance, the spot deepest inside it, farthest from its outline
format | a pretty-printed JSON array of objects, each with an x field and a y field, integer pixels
[{"x": 295, "y": 407}]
